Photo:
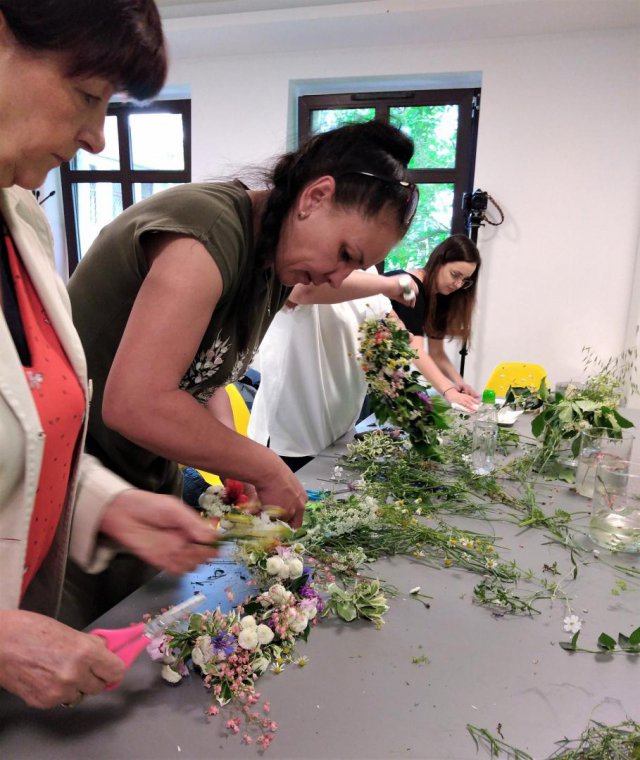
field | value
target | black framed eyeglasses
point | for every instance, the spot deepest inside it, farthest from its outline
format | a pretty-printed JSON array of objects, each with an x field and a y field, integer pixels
[
  {"x": 412, "y": 199},
  {"x": 465, "y": 282}
]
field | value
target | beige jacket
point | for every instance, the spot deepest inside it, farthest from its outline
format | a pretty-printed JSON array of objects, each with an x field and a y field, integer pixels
[{"x": 21, "y": 436}]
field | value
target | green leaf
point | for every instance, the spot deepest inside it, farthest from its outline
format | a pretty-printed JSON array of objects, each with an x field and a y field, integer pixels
[
  {"x": 634, "y": 637},
  {"x": 587, "y": 405},
  {"x": 606, "y": 642},
  {"x": 622, "y": 421},
  {"x": 571, "y": 646},
  {"x": 565, "y": 413},
  {"x": 537, "y": 425},
  {"x": 623, "y": 641},
  {"x": 346, "y": 611}
]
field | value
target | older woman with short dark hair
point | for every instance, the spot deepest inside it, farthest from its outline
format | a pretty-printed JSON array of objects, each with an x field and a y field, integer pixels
[{"x": 60, "y": 62}]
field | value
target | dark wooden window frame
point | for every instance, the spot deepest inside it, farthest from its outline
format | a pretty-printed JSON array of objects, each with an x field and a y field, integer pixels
[
  {"x": 125, "y": 176},
  {"x": 468, "y": 101}
]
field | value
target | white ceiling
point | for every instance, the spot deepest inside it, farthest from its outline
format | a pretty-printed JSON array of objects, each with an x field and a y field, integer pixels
[{"x": 204, "y": 28}]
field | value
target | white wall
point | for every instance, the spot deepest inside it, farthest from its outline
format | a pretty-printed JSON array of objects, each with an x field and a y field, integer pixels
[{"x": 558, "y": 148}]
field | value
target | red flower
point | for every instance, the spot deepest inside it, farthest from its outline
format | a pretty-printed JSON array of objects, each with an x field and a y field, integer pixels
[{"x": 234, "y": 492}]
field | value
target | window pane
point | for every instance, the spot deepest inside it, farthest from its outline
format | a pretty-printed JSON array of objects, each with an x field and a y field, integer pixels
[
  {"x": 431, "y": 225},
  {"x": 142, "y": 190},
  {"x": 96, "y": 204},
  {"x": 109, "y": 159},
  {"x": 156, "y": 141},
  {"x": 324, "y": 120},
  {"x": 434, "y": 131}
]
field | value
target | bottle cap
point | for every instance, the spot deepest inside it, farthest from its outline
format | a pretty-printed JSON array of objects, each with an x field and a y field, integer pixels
[{"x": 488, "y": 396}]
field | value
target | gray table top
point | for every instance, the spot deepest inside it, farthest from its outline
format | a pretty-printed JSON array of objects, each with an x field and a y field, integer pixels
[{"x": 361, "y": 695}]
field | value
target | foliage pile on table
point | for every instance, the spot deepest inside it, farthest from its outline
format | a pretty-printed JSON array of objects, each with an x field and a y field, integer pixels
[
  {"x": 594, "y": 403},
  {"x": 597, "y": 742},
  {"x": 401, "y": 496}
]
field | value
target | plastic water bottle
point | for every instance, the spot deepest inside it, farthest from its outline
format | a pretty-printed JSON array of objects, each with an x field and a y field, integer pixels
[{"x": 485, "y": 435}]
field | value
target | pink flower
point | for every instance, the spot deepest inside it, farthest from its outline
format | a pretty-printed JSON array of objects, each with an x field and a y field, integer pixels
[
  {"x": 156, "y": 648},
  {"x": 213, "y": 710}
]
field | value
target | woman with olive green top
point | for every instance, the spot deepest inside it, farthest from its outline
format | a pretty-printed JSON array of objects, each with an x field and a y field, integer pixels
[
  {"x": 174, "y": 296},
  {"x": 107, "y": 282}
]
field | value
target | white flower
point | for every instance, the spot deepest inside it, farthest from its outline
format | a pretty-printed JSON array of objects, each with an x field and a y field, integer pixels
[
  {"x": 264, "y": 634},
  {"x": 279, "y": 594},
  {"x": 299, "y": 622},
  {"x": 415, "y": 590},
  {"x": 248, "y": 621},
  {"x": 260, "y": 664},
  {"x": 572, "y": 624},
  {"x": 169, "y": 674},
  {"x": 337, "y": 472},
  {"x": 309, "y": 607},
  {"x": 491, "y": 563},
  {"x": 248, "y": 638},
  {"x": 274, "y": 565},
  {"x": 295, "y": 567},
  {"x": 202, "y": 652},
  {"x": 197, "y": 657}
]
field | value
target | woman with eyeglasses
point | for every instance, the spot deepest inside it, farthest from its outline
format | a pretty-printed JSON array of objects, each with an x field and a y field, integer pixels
[
  {"x": 175, "y": 295},
  {"x": 444, "y": 307},
  {"x": 60, "y": 62}
]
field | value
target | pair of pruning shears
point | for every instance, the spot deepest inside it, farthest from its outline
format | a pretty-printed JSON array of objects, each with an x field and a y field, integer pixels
[{"x": 129, "y": 642}]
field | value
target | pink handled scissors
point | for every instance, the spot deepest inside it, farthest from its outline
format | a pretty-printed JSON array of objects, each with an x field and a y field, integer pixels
[{"x": 128, "y": 643}]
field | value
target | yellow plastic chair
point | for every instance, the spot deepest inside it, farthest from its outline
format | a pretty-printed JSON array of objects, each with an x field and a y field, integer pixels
[
  {"x": 516, "y": 374},
  {"x": 240, "y": 420}
]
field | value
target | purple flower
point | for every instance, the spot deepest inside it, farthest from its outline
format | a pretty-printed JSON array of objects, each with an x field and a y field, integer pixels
[
  {"x": 308, "y": 592},
  {"x": 224, "y": 643},
  {"x": 427, "y": 400}
]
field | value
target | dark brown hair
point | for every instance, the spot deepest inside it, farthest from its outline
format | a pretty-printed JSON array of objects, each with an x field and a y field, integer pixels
[
  {"x": 341, "y": 153},
  {"x": 372, "y": 147},
  {"x": 118, "y": 40},
  {"x": 450, "y": 315}
]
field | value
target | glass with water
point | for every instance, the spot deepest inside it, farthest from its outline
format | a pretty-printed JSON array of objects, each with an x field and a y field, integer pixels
[
  {"x": 615, "y": 512},
  {"x": 485, "y": 435},
  {"x": 596, "y": 447}
]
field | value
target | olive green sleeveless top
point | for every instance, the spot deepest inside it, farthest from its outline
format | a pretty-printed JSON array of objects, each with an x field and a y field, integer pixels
[{"x": 105, "y": 285}]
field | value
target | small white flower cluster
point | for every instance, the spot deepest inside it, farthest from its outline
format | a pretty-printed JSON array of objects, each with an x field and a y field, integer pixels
[
  {"x": 348, "y": 559},
  {"x": 285, "y": 567},
  {"x": 349, "y": 515},
  {"x": 253, "y": 634},
  {"x": 211, "y": 502},
  {"x": 295, "y": 615}
]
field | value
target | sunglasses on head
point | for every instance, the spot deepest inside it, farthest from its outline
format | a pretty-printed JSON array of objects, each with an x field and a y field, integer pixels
[{"x": 411, "y": 205}]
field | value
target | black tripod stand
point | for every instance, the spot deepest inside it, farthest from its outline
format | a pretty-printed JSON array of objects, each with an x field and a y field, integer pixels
[{"x": 473, "y": 206}]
